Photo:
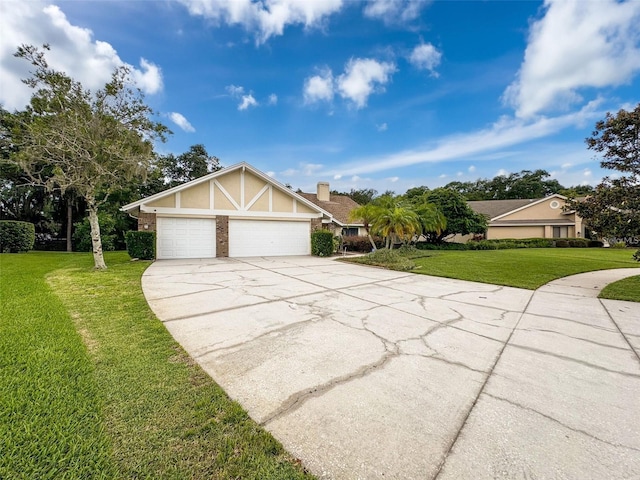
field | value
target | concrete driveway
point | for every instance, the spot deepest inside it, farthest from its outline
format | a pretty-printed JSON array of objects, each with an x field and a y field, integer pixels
[{"x": 368, "y": 373}]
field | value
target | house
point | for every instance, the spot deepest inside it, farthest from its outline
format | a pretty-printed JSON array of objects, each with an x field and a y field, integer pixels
[
  {"x": 530, "y": 218},
  {"x": 339, "y": 206},
  {"x": 235, "y": 212}
]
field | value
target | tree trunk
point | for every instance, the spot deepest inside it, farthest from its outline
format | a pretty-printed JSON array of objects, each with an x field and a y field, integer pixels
[
  {"x": 373, "y": 244},
  {"x": 96, "y": 241},
  {"x": 69, "y": 224}
]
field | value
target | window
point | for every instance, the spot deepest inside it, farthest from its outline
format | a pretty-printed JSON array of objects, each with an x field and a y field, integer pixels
[
  {"x": 350, "y": 232},
  {"x": 560, "y": 232}
]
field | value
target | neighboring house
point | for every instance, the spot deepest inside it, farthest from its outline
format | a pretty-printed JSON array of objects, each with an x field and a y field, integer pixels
[
  {"x": 339, "y": 206},
  {"x": 235, "y": 212},
  {"x": 537, "y": 218}
]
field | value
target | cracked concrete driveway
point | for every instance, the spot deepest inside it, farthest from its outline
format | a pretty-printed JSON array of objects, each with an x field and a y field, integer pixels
[{"x": 368, "y": 373}]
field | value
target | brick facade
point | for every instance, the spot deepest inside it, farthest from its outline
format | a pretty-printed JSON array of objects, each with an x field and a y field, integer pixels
[
  {"x": 148, "y": 219},
  {"x": 316, "y": 224},
  {"x": 222, "y": 236}
]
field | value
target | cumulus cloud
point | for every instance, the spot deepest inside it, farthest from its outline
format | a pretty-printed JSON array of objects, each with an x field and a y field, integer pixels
[
  {"x": 426, "y": 57},
  {"x": 272, "y": 100},
  {"x": 73, "y": 50},
  {"x": 319, "y": 88},
  {"x": 181, "y": 121},
  {"x": 471, "y": 169},
  {"x": 234, "y": 90},
  {"x": 247, "y": 101},
  {"x": 362, "y": 77},
  {"x": 576, "y": 44},
  {"x": 382, "y": 127},
  {"x": 394, "y": 11},
  {"x": 266, "y": 18}
]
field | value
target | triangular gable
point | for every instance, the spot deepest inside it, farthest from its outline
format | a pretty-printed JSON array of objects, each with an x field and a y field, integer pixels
[
  {"x": 531, "y": 205},
  {"x": 236, "y": 190}
]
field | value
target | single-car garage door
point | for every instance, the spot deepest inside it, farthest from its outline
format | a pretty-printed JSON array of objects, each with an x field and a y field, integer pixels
[
  {"x": 264, "y": 238},
  {"x": 186, "y": 237}
]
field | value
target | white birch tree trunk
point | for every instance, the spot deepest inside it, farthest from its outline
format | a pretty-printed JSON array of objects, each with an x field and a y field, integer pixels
[{"x": 96, "y": 241}]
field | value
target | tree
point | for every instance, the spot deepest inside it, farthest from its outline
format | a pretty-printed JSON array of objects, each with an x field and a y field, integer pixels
[
  {"x": 367, "y": 214},
  {"x": 460, "y": 218},
  {"x": 524, "y": 184},
  {"x": 361, "y": 196},
  {"x": 397, "y": 222},
  {"x": 613, "y": 210},
  {"x": 187, "y": 166},
  {"x": 92, "y": 143}
]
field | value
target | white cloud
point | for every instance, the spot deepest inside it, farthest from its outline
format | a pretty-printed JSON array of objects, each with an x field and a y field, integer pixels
[
  {"x": 504, "y": 133},
  {"x": 471, "y": 169},
  {"x": 566, "y": 165},
  {"x": 73, "y": 50},
  {"x": 502, "y": 173},
  {"x": 382, "y": 127},
  {"x": 392, "y": 11},
  {"x": 337, "y": 176},
  {"x": 273, "y": 99},
  {"x": 267, "y": 18},
  {"x": 576, "y": 45},
  {"x": 443, "y": 175},
  {"x": 426, "y": 57},
  {"x": 247, "y": 101},
  {"x": 234, "y": 90},
  {"x": 393, "y": 179},
  {"x": 459, "y": 174},
  {"x": 181, "y": 121},
  {"x": 587, "y": 172},
  {"x": 319, "y": 87},
  {"x": 362, "y": 77}
]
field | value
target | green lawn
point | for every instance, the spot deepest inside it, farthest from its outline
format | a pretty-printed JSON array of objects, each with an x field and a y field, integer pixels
[
  {"x": 627, "y": 289},
  {"x": 93, "y": 386},
  {"x": 524, "y": 267}
]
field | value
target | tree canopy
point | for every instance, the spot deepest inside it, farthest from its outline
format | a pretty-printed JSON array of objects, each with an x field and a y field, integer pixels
[
  {"x": 93, "y": 143},
  {"x": 613, "y": 210}
]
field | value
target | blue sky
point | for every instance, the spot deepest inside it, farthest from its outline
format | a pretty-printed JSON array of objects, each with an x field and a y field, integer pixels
[{"x": 384, "y": 94}]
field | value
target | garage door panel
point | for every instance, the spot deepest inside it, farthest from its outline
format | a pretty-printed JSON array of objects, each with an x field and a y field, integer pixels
[
  {"x": 186, "y": 237},
  {"x": 264, "y": 238}
]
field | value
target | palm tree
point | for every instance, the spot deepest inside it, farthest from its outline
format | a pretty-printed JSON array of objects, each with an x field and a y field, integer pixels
[
  {"x": 367, "y": 214},
  {"x": 397, "y": 222},
  {"x": 431, "y": 218}
]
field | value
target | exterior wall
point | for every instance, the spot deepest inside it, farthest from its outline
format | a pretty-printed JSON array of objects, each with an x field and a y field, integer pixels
[
  {"x": 220, "y": 201},
  {"x": 231, "y": 183},
  {"x": 302, "y": 208},
  {"x": 316, "y": 224},
  {"x": 541, "y": 211},
  {"x": 252, "y": 186},
  {"x": 222, "y": 236},
  {"x": 195, "y": 197},
  {"x": 261, "y": 204},
  {"x": 168, "y": 201},
  {"x": 148, "y": 219},
  {"x": 537, "y": 231},
  {"x": 282, "y": 202}
]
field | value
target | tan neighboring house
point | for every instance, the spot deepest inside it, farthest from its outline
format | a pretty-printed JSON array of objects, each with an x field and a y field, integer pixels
[
  {"x": 235, "y": 212},
  {"x": 536, "y": 218},
  {"x": 339, "y": 206}
]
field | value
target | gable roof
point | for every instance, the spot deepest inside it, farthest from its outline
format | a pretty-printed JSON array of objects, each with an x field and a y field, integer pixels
[
  {"x": 495, "y": 209},
  {"x": 339, "y": 206},
  {"x": 242, "y": 165}
]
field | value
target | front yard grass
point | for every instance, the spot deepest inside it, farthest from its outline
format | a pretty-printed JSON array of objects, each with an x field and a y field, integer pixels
[
  {"x": 528, "y": 268},
  {"x": 93, "y": 386},
  {"x": 625, "y": 289}
]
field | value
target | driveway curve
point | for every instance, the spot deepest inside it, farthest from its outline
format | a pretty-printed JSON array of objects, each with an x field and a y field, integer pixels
[{"x": 368, "y": 373}]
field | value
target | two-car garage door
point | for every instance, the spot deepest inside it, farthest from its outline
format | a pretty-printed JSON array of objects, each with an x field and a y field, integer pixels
[{"x": 196, "y": 238}]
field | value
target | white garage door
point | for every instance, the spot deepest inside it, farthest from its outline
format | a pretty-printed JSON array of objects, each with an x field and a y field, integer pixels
[
  {"x": 186, "y": 237},
  {"x": 262, "y": 238}
]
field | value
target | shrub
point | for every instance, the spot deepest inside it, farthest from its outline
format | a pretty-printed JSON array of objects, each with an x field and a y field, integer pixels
[
  {"x": 442, "y": 246},
  {"x": 141, "y": 244},
  {"x": 619, "y": 245},
  {"x": 16, "y": 236},
  {"x": 360, "y": 244},
  {"x": 392, "y": 259},
  {"x": 562, "y": 244},
  {"x": 636, "y": 256},
  {"x": 322, "y": 243},
  {"x": 483, "y": 245},
  {"x": 596, "y": 244},
  {"x": 82, "y": 234}
]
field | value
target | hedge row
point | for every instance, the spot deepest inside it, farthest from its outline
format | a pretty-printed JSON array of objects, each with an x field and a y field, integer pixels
[
  {"x": 322, "y": 243},
  {"x": 16, "y": 236},
  {"x": 141, "y": 244},
  {"x": 361, "y": 243},
  {"x": 509, "y": 243}
]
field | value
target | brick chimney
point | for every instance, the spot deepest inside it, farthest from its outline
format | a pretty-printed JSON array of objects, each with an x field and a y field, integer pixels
[{"x": 323, "y": 191}]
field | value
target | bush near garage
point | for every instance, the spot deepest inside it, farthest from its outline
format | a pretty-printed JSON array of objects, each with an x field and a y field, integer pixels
[
  {"x": 141, "y": 244},
  {"x": 16, "y": 236},
  {"x": 322, "y": 243},
  {"x": 82, "y": 234},
  {"x": 360, "y": 243}
]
